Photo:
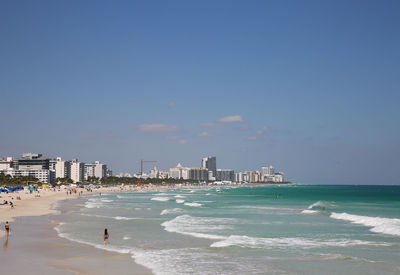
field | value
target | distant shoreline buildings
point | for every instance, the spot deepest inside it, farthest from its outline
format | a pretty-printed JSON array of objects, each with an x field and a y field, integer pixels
[
  {"x": 57, "y": 170},
  {"x": 208, "y": 172},
  {"x": 49, "y": 171}
]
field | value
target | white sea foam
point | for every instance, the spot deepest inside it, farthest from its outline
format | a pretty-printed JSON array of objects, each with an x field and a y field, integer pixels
[
  {"x": 160, "y": 199},
  {"x": 321, "y": 204},
  {"x": 180, "y": 261},
  {"x": 252, "y": 242},
  {"x": 171, "y": 211},
  {"x": 199, "y": 227},
  {"x": 179, "y": 196},
  {"x": 123, "y": 197},
  {"x": 125, "y": 218},
  {"x": 179, "y": 201},
  {"x": 105, "y": 200},
  {"x": 193, "y": 204},
  {"x": 388, "y": 226},
  {"x": 94, "y": 203},
  {"x": 108, "y": 217},
  {"x": 306, "y": 211},
  {"x": 127, "y": 238},
  {"x": 260, "y": 207}
]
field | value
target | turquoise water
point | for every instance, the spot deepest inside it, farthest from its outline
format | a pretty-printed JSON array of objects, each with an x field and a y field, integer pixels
[{"x": 294, "y": 229}]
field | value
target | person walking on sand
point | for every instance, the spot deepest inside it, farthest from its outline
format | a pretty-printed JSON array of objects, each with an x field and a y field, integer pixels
[
  {"x": 7, "y": 227},
  {"x": 105, "y": 236}
]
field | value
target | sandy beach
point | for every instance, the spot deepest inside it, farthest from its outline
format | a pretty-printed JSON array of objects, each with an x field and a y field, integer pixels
[
  {"x": 33, "y": 245},
  {"x": 36, "y": 203},
  {"x": 32, "y": 235}
]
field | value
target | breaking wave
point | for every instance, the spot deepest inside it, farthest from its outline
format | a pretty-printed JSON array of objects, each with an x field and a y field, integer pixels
[
  {"x": 171, "y": 211},
  {"x": 193, "y": 204},
  {"x": 199, "y": 227},
  {"x": 251, "y": 242},
  {"x": 379, "y": 225},
  {"x": 160, "y": 199}
]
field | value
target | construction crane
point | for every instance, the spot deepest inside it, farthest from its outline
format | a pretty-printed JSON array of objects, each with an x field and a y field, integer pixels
[{"x": 141, "y": 164}]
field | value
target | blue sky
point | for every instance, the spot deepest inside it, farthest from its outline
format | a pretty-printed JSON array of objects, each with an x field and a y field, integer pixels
[{"x": 310, "y": 87}]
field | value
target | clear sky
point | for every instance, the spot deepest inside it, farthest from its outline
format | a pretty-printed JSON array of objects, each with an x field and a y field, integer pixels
[{"x": 310, "y": 87}]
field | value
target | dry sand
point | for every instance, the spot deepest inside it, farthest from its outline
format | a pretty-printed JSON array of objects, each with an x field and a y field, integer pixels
[{"x": 38, "y": 203}]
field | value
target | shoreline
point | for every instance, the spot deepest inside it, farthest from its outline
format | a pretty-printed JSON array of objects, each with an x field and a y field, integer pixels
[
  {"x": 41, "y": 215},
  {"x": 33, "y": 222},
  {"x": 41, "y": 203}
]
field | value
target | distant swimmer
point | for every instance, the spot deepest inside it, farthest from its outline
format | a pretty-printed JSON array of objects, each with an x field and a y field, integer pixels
[{"x": 105, "y": 236}]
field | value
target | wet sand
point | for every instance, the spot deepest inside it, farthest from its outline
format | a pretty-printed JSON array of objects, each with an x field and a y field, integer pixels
[{"x": 33, "y": 247}]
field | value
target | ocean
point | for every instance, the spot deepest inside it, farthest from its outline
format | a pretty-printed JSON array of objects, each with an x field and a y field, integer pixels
[{"x": 288, "y": 229}]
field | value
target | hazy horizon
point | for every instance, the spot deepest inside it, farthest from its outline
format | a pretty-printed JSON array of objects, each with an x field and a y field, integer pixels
[{"x": 309, "y": 87}]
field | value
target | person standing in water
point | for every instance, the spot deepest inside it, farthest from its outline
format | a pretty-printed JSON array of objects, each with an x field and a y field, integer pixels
[
  {"x": 105, "y": 236},
  {"x": 7, "y": 228}
]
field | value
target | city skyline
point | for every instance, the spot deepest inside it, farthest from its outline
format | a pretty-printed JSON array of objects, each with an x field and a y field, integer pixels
[{"x": 311, "y": 87}]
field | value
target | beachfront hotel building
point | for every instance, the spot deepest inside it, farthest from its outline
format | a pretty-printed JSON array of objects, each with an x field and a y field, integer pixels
[
  {"x": 89, "y": 170},
  {"x": 225, "y": 175},
  {"x": 30, "y": 161},
  {"x": 179, "y": 172},
  {"x": 29, "y": 165},
  {"x": 210, "y": 163},
  {"x": 47, "y": 170},
  {"x": 6, "y": 163},
  {"x": 77, "y": 171},
  {"x": 267, "y": 170},
  {"x": 44, "y": 176},
  {"x": 62, "y": 168},
  {"x": 198, "y": 174}
]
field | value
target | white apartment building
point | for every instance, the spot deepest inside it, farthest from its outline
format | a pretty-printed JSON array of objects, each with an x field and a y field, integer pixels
[
  {"x": 44, "y": 176},
  {"x": 154, "y": 173},
  {"x": 95, "y": 169},
  {"x": 77, "y": 170},
  {"x": 225, "y": 175},
  {"x": 100, "y": 170},
  {"x": 267, "y": 170},
  {"x": 6, "y": 163},
  {"x": 179, "y": 172},
  {"x": 279, "y": 177},
  {"x": 89, "y": 170},
  {"x": 62, "y": 168}
]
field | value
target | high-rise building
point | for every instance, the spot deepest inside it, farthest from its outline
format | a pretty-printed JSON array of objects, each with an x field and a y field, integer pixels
[
  {"x": 89, "y": 170},
  {"x": 95, "y": 169},
  {"x": 6, "y": 163},
  {"x": 77, "y": 170},
  {"x": 267, "y": 170},
  {"x": 100, "y": 170},
  {"x": 31, "y": 161},
  {"x": 43, "y": 175},
  {"x": 210, "y": 163},
  {"x": 176, "y": 172},
  {"x": 225, "y": 175},
  {"x": 154, "y": 173},
  {"x": 198, "y": 174},
  {"x": 279, "y": 177},
  {"x": 62, "y": 168},
  {"x": 179, "y": 172}
]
